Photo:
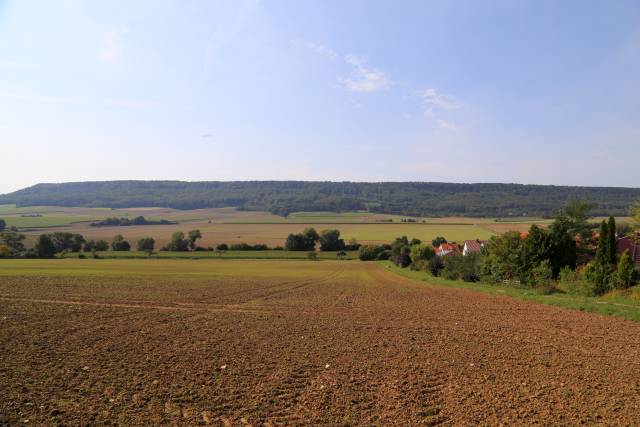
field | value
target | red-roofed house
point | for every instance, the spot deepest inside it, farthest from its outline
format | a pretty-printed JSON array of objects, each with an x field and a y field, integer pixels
[
  {"x": 447, "y": 248},
  {"x": 631, "y": 244},
  {"x": 473, "y": 246}
]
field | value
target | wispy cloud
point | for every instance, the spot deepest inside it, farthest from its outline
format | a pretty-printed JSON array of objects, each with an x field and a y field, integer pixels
[
  {"x": 436, "y": 104},
  {"x": 112, "y": 43},
  {"x": 323, "y": 50},
  {"x": 434, "y": 99},
  {"x": 363, "y": 78},
  {"x": 445, "y": 124}
]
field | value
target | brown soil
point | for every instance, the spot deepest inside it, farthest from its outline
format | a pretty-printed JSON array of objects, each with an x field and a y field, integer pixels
[{"x": 349, "y": 344}]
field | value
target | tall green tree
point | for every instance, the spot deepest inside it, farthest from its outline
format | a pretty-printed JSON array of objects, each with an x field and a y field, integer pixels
[
  {"x": 178, "y": 243},
  {"x": 3, "y": 225},
  {"x": 194, "y": 235},
  {"x": 330, "y": 241},
  {"x": 563, "y": 249},
  {"x": 45, "y": 247},
  {"x": 625, "y": 270},
  {"x": 602, "y": 258},
  {"x": 577, "y": 214},
  {"x": 612, "y": 241}
]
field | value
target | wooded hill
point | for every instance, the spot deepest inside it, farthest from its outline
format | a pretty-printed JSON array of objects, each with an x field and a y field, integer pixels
[{"x": 284, "y": 197}]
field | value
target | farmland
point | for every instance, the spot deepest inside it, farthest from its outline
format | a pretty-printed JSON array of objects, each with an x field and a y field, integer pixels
[
  {"x": 228, "y": 342},
  {"x": 228, "y": 225}
]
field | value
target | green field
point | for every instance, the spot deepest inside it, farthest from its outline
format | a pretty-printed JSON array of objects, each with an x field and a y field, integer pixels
[{"x": 268, "y": 254}]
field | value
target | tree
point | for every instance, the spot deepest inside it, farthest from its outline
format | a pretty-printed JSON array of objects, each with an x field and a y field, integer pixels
[
  {"x": 305, "y": 241},
  {"x": 401, "y": 252},
  {"x": 63, "y": 241},
  {"x": 577, "y": 214},
  {"x": 635, "y": 215},
  {"x": 178, "y": 243},
  {"x": 3, "y": 225},
  {"x": 625, "y": 270},
  {"x": 76, "y": 242},
  {"x": 536, "y": 248},
  {"x": 120, "y": 244},
  {"x": 44, "y": 247},
  {"x": 602, "y": 252},
  {"x": 612, "y": 241},
  {"x": 5, "y": 252},
  {"x": 194, "y": 235},
  {"x": 89, "y": 246},
  {"x": 101, "y": 245},
  {"x": 504, "y": 257},
  {"x": 294, "y": 242},
  {"x": 438, "y": 241},
  {"x": 435, "y": 266},
  {"x": 369, "y": 252},
  {"x": 13, "y": 240},
  {"x": 311, "y": 238},
  {"x": 422, "y": 252},
  {"x": 563, "y": 248},
  {"x": 330, "y": 241},
  {"x": 146, "y": 244},
  {"x": 222, "y": 247}
]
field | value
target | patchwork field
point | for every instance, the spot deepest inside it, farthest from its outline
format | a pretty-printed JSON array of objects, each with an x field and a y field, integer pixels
[{"x": 232, "y": 342}]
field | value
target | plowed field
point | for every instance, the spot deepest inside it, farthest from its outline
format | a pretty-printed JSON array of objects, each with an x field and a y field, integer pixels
[{"x": 140, "y": 342}]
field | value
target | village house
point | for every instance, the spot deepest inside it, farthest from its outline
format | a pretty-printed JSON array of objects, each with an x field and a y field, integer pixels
[
  {"x": 631, "y": 244},
  {"x": 473, "y": 246},
  {"x": 447, "y": 248}
]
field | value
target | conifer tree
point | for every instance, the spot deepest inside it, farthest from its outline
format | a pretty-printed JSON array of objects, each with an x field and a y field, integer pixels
[{"x": 611, "y": 244}]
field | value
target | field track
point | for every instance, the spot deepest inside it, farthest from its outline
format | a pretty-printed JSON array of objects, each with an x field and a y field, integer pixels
[{"x": 230, "y": 342}]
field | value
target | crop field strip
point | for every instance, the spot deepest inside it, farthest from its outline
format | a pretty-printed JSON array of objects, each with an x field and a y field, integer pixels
[{"x": 291, "y": 343}]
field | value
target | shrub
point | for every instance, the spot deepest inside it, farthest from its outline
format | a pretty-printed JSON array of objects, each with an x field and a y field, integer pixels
[
  {"x": 222, "y": 247},
  {"x": 146, "y": 244},
  {"x": 435, "y": 266},
  {"x": 101, "y": 245},
  {"x": 369, "y": 252},
  {"x": 119, "y": 244}
]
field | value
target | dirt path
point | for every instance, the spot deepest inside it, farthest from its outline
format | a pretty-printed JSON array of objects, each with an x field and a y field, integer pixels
[{"x": 339, "y": 344}]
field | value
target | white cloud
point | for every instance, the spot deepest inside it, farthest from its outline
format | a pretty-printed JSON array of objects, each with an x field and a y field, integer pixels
[
  {"x": 445, "y": 124},
  {"x": 323, "y": 50},
  {"x": 364, "y": 79},
  {"x": 112, "y": 43},
  {"x": 432, "y": 98},
  {"x": 436, "y": 105}
]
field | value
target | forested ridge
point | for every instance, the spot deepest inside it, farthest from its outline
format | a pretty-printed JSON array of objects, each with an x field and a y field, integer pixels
[{"x": 284, "y": 197}]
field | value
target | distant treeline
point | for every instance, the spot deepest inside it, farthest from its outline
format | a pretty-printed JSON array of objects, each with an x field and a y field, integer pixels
[
  {"x": 139, "y": 220},
  {"x": 284, "y": 197}
]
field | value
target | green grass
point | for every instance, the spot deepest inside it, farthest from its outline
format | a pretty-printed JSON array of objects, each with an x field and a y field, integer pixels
[
  {"x": 46, "y": 220},
  {"x": 614, "y": 304},
  {"x": 269, "y": 254}
]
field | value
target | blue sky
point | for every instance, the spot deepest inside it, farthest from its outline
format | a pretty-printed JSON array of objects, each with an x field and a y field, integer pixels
[{"x": 538, "y": 91}]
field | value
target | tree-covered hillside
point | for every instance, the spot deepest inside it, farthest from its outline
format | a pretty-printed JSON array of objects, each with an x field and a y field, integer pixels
[{"x": 283, "y": 197}]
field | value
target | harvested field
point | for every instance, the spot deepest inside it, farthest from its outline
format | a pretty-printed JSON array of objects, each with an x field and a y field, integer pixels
[{"x": 230, "y": 342}]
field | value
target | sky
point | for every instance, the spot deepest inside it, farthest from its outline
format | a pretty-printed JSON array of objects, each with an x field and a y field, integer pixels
[{"x": 535, "y": 92}]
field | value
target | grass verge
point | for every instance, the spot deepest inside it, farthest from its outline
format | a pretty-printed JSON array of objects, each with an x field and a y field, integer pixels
[{"x": 624, "y": 304}]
